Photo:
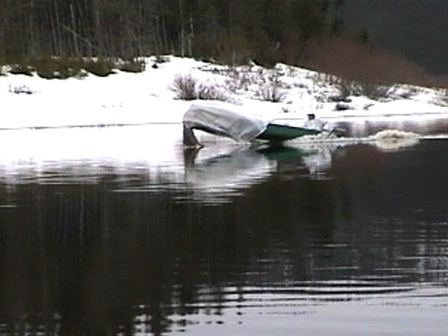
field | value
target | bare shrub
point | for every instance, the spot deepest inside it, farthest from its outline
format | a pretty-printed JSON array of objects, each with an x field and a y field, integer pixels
[
  {"x": 347, "y": 88},
  {"x": 211, "y": 92},
  {"x": 445, "y": 93},
  {"x": 265, "y": 84},
  {"x": 242, "y": 78},
  {"x": 271, "y": 92},
  {"x": 187, "y": 87},
  {"x": 377, "y": 91},
  {"x": 371, "y": 90},
  {"x": 442, "y": 97}
]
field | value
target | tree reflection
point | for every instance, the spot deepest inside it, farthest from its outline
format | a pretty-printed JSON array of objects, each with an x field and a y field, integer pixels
[
  {"x": 96, "y": 260},
  {"x": 84, "y": 259}
]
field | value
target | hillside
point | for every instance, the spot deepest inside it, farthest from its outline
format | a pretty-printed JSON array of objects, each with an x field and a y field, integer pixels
[{"x": 414, "y": 29}]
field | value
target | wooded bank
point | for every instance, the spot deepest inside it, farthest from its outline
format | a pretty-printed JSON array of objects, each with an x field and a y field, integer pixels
[{"x": 232, "y": 31}]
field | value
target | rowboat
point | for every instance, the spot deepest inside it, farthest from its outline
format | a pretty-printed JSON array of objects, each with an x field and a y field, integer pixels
[{"x": 228, "y": 120}]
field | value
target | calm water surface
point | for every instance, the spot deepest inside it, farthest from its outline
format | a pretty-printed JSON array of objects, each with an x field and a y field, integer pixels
[{"x": 347, "y": 240}]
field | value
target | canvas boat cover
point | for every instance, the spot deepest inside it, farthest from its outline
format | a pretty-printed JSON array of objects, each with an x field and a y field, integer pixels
[{"x": 224, "y": 119}]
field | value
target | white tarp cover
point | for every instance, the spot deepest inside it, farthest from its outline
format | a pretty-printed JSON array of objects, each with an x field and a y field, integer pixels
[{"x": 223, "y": 119}]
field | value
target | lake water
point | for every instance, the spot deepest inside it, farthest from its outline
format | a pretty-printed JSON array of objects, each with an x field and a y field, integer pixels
[{"x": 317, "y": 239}]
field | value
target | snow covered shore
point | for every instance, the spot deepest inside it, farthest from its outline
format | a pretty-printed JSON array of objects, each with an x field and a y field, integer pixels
[
  {"x": 126, "y": 98},
  {"x": 47, "y": 121}
]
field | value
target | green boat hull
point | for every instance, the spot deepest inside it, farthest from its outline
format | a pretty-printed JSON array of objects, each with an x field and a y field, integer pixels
[{"x": 278, "y": 133}]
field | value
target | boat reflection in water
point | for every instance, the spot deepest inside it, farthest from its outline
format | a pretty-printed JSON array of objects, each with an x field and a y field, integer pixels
[{"x": 214, "y": 179}]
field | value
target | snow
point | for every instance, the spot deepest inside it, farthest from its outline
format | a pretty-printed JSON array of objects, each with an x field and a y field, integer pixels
[
  {"x": 122, "y": 116},
  {"x": 126, "y": 98}
]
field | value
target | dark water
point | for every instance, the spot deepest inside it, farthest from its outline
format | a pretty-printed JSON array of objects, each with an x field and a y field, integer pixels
[{"x": 241, "y": 243}]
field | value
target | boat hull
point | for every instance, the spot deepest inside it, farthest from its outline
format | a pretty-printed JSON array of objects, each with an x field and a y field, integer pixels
[{"x": 278, "y": 133}]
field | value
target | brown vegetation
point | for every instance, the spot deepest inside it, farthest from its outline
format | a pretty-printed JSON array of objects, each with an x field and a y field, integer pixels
[
  {"x": 363, "y": 63},
  {"x": 66, "y": 67}
]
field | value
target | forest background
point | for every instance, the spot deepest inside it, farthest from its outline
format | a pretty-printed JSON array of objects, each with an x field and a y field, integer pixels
[{"x": 307, "y": 33}]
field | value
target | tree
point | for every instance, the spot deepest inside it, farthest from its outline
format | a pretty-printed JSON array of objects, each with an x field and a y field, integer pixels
[{"x": 266, "y": 30}]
